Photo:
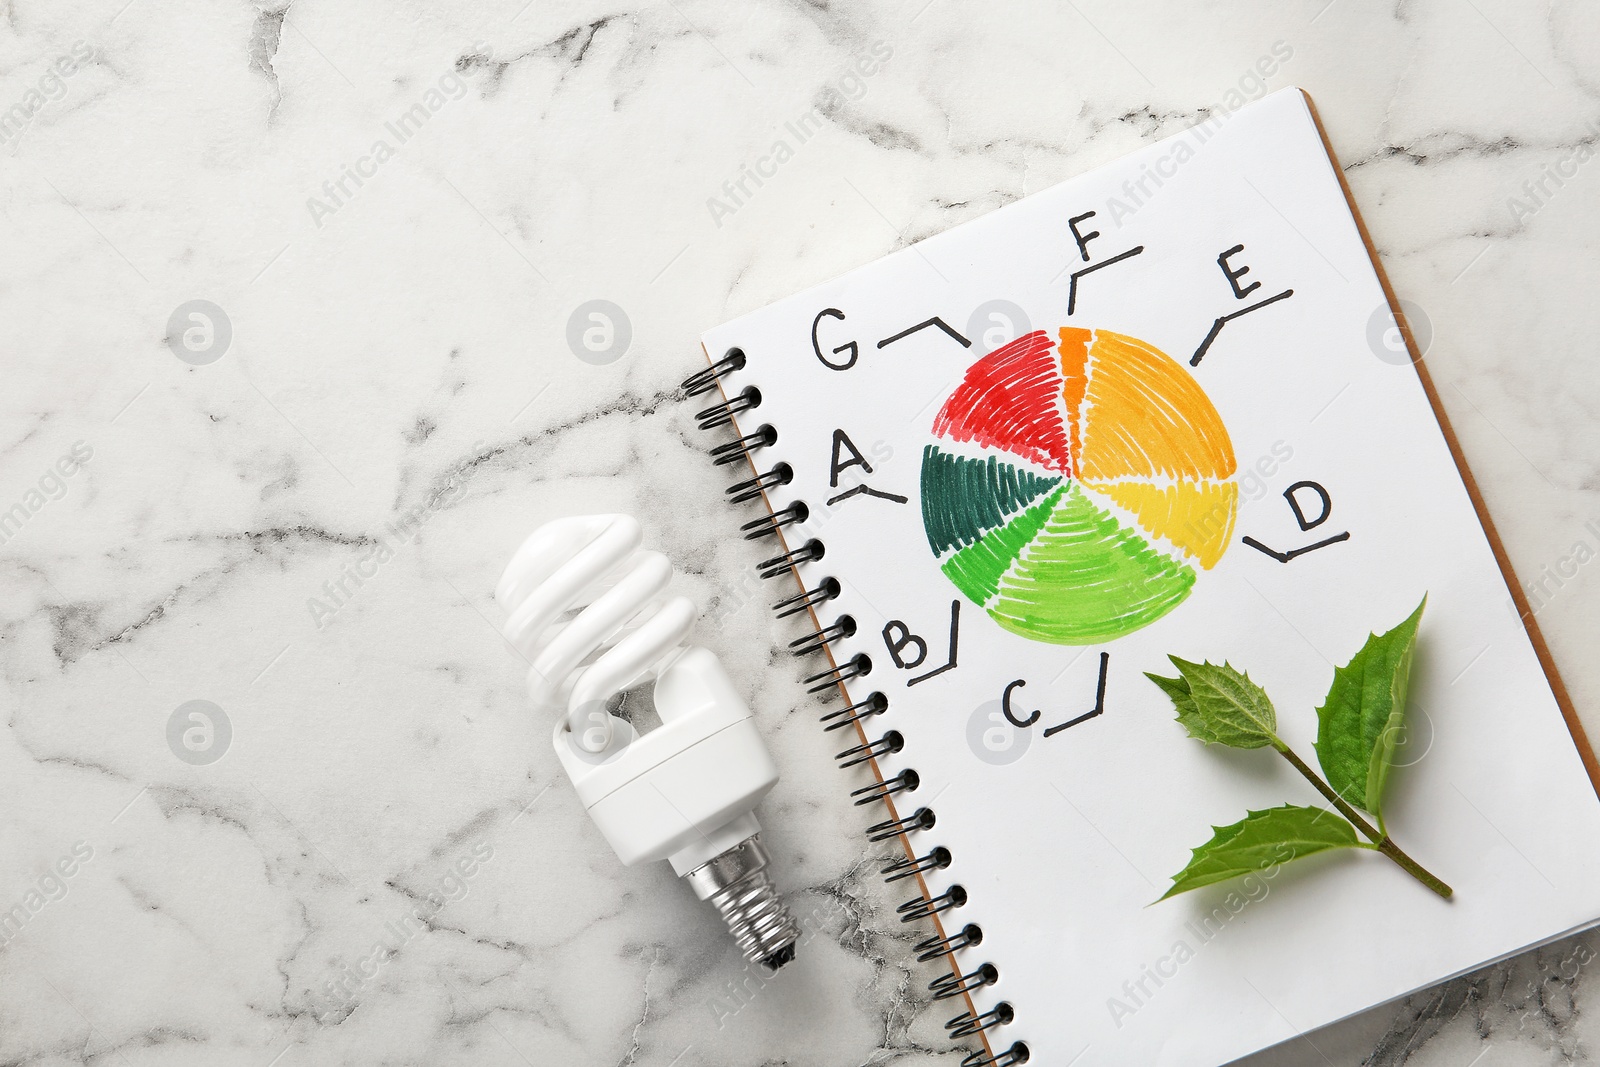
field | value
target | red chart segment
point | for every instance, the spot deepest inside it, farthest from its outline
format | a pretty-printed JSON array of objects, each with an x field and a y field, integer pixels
[{"x": 1011, "y": 400}]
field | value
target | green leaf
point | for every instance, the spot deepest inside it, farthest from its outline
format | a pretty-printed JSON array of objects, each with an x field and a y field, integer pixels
[
  {"x": 1261, "y": 841},
  {"x": 1178, "y": 690},
  {"x": 1219, "y": 705},
  {"x": 1360, "y": 722}
]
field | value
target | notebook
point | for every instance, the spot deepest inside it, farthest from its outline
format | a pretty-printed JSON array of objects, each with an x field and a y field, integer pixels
[{"x": 1165, "y": 408}]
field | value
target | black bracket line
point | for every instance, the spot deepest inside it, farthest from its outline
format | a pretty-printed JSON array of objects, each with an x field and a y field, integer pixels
[
  {"x": 866, "y": 490},
  {"x": 955, "y": 633},
  {"x": 1285, "y": 557},
  {"x": 1099, "y": 701},
  {"x": 935, "y": 321},
  {"x": 1072, "y": 286},
  {"x": 1216, "y": 327}
]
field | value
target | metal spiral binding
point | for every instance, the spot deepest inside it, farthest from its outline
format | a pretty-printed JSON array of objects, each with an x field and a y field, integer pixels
[
  {"x": 722, "y": 414},
  {"x": 807, "y": 599},
  {"x": 904, "y": 782},
  {"x": 921, "y": 819},
  {"x": 953, "y": 985},
  {"x": 968, "y": 1023},
  {"x": 934, "y": 947},
  {"x": 875, "y": 704},
  {"x": 732, "y": 452},
  {"x": 926, "y": 907},
  {"x": 906, "y": 866},
  {"x": 772, "y": 522},
  {"x": 743, "y": 449},
  {"x": 1017, "y": 1053},
  {"x": 809, "y": 552},
  {"x": 711, "y": 377},
  {"x": 844, "y": 626},
  {"x": 855, "y": 667},
  {"x": 752, "y": 488},
  {"x": 889, "y": 742}
]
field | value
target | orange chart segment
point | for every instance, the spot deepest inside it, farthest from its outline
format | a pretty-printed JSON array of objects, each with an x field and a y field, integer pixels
[
  {"x": 1142, "y": 415},
  {"x": 1197, "y": 517},
  {"x": 1074, "y": 350}
]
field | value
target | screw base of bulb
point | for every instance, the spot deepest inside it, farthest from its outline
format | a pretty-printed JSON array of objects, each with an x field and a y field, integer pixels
[{"x": 735, "y": 882}]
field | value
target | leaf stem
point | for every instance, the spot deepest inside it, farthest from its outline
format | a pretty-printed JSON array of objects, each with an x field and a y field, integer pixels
[{"x": 1380, "y": 839}]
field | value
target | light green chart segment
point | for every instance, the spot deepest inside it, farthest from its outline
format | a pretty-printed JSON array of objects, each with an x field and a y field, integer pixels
[{"x": 1057, "y": 568}]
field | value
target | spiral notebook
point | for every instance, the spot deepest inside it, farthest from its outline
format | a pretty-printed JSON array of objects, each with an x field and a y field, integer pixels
[{"x": 1166, "y": 407}]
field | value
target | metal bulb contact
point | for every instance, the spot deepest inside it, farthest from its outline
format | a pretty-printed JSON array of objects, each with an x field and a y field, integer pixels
[{"x": 736, "y": 884}]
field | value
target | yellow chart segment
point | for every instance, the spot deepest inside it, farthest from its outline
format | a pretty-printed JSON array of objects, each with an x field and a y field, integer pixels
[{"x": 1196, "y": 517}]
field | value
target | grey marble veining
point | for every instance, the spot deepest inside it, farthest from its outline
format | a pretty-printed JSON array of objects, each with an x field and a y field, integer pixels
[{"x": 398, "y": 212}]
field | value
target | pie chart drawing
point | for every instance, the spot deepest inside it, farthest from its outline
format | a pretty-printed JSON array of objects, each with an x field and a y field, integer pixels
[{"x": 1077, "y": 485}]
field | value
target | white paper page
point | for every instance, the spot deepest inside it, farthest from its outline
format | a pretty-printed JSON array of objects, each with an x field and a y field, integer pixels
[{"x": 1062, "y": 843}]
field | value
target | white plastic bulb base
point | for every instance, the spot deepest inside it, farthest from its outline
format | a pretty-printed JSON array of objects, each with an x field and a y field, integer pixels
[{"x": 684, "y": 792}]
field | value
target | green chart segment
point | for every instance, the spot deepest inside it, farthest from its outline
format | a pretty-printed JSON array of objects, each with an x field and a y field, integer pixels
[
  {"x": 973, "y": 495},
  {"x": 1044, "y": 560}
]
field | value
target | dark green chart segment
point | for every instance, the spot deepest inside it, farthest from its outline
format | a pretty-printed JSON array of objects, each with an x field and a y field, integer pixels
[{"x": 964, "y": 498}]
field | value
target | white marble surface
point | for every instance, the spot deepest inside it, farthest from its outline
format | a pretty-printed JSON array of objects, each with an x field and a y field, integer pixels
[{"x": 398, "y": 396}]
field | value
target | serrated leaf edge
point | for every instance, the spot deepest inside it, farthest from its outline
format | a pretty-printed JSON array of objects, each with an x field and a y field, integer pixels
[
  {"x": 1238, "y": 827},
  {"x": 1370, "y": 799}
]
